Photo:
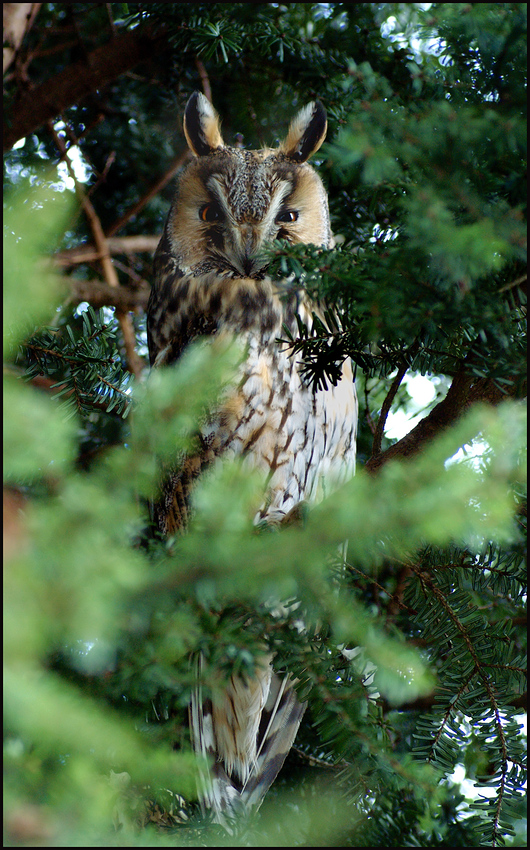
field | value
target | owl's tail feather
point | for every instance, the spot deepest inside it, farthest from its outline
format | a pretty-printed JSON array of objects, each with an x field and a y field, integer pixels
[
  {"x": 238, "y": 781},
  {"x": 279, "y": 725}
]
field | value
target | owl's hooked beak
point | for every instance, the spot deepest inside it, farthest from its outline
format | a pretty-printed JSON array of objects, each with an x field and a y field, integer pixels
[{"x": 248, "y": 253}]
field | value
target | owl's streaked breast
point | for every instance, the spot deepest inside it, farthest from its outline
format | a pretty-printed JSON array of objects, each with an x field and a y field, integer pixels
[{"x": 210, "y": 277}]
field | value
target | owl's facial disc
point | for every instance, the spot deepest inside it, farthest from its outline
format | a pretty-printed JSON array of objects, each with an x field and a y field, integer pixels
[
  {"x": 232, "y": 204},
  {"x": 240, "y": 221}
]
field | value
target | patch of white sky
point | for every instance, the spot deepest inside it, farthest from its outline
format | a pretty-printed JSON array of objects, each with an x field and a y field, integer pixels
[
  {"x": 80, "y": 167},
  {"x": 469, "y": 788},
  {"x": 404, "y": 30},
  {"x": 422, "y": 391}
]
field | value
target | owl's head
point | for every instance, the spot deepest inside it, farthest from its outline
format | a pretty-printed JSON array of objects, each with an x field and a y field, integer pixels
[{"x": 230, "y": 202}]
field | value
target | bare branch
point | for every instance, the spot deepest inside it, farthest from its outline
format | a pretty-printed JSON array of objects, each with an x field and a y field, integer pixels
[
  {"x": 177, "y": 163},
  {"x": 464, "y": 391},
  {"x": 88, "y": 253},
  {"x": 385, "y": 409},
  {"x": 99, "y": 294},
  {"x": 36, "y": 106},
  {"x": 134, "y": 362},
  {"x": 203, "y": 74},
  {"x": 517, "y": 282},
  {"x": 371, "y": 424}
]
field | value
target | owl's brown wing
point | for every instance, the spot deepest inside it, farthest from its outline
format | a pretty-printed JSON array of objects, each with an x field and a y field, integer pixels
[
  {"x": 183, "y": 307},
  {"x": 175, "y": 317}
]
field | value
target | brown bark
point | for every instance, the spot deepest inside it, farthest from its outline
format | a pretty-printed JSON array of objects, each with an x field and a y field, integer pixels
[
  {"x": 88, "y": 253},
  {"x": 385, "y": 409},
  {"x": 47, "y": 100},
  {"x": 175, "y": 166},
  {"x": 134, "y": 362},
  {"x": 101, "y": 295},
  {"x": 464, "y": 391},
  {"x": 15, "y": 538}
]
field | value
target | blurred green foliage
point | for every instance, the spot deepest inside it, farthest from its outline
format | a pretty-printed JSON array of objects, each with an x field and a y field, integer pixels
[{"x": 425, "y": 170}]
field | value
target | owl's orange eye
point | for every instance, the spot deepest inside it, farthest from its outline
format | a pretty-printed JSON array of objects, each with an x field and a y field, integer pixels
[
  {"x": 210, "y": 212},
  {"x": 287, "y": 217}
]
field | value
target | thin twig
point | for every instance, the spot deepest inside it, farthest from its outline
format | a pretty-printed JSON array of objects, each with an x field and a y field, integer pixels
[
  {"x": 385, "y": 409},
  {"x": 517, "y": 282},
  {"x": 111, "y": 19},
  {"x": 371, "y": 424},
  {"x": 205, "y": 81},
  {"x": 103, "y": 176},
  {"x": 157, "y": 187},
  {"x": 134, "y": 362},
  {"x": 115, "y": 245},
  {"x": 87, "y": 253},
  {"x": 395, "y": 598}
]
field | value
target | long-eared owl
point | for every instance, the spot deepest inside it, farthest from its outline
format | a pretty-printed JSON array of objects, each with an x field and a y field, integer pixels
[{"x": 210, "y": 277}]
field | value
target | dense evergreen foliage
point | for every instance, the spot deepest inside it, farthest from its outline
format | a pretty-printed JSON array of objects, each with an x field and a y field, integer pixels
[{"x": 413, "y": 651}]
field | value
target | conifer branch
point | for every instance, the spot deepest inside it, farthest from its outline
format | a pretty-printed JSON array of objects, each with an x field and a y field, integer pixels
[
  {"x": 454, "y": 704},
  {"x": 87, "y": 369}
]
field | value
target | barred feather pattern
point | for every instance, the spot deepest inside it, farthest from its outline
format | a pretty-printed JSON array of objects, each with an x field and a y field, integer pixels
[
  {"x": 302, "y": 439},
  {"x": 247, "y": 728},
  {"x": 210, "y": 281}
]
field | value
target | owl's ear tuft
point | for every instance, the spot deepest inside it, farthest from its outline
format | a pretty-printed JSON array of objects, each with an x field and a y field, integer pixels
[
  {"x": 306, "y": 133},
  {"x": 201, "y": 126}
]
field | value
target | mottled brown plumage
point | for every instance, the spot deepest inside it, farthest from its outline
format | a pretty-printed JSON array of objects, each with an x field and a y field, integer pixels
[{"x": 210, "y": 279}]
